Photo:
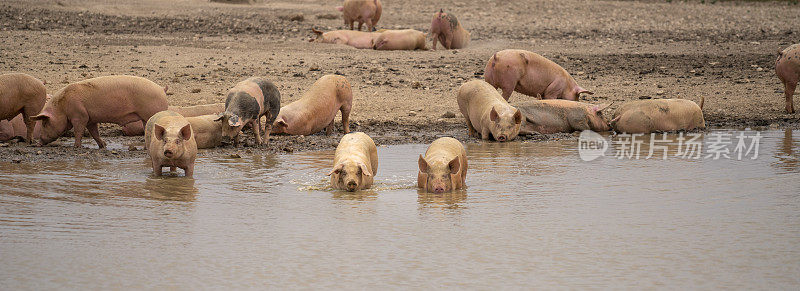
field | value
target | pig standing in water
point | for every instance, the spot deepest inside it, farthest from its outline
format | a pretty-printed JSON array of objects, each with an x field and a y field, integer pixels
[
  {"x": 21, "y": 94},
  {"x": 530, "y": 74},
  {"x": 316, "y": 110},
  {"x": 405, "y": 39},
  {"x": 552, "y": 116},
  {"x": 660, "y": 115},
  {"x": 246, "y": 103},
  {"x": 110, "y": 99},
  {"x": 170, "y": 142},
  {"x": 446, "y": 29},
  {"x": 487, "y": 113},
  {"x": 136, "y": 128},
  {"x": 444, "y": 166},
  {"x": 363, "y": 11},
  {"x": 355, "y": 163},
  {"x": 356, "y": 39},
  {"x": 788, "y": 69}
]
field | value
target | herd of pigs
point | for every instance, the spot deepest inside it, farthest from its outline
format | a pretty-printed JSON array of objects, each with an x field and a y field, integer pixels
[{"x": 174, "y": 134}]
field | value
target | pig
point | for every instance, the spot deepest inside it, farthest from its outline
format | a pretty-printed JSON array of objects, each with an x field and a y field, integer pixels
[
  {"x": 444, "y": 166},
  {"x": 530, "y": 74},
  {"x": 21, "y": 94},
  {"x": 170, "y": 142},
  {"x": 136, "y": 128},
  {"x": 355, "y": 163},
  {"x": 246, "y": 103},
  {"x": 405, "y": 39},
  {"x": 552, "y": 116},
  {"x": 487, "y": 113},
  {"x": 207, "y": 131},
  {"x": 659, "y": 115},
  {"x": 316, "y": 109},
  {"x": 362, "y": 11},
  {"x": 16, "y": 128},
  {"x": 82, "y": 105},
  {"x": 446, "y": 29},
  {"x": 356, "y": 39},
  {"x": 787, "y": 67}
]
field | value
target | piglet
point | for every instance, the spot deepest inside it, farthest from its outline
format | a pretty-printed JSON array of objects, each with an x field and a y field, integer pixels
[
  {"x": 446, "y": 29},
  {"x": 659, "y": 115},
  {"x": 356, "y": 39},
  {"x": 530, "y": 74},
  {"x": 355, "y": 163},
  {"x": 362, "y": 11},
  {"x": 788, "y": 69},
  {"x": 444, "y": 166},
  {"x": 317, "y": 108},
  {"x": 246, "y": 103},
  {"x": 552, "y": 116},
  {"x": 170, "y": 142},
  {"x": 21, "y": 94},
  {"x": 405, "y": 39},
  {"x": 487, "y": 113}
]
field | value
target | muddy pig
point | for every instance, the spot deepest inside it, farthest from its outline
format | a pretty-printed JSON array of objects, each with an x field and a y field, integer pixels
[
  {"x": 355, "y": 163},
  {"x": 170, "y": 142},
  {"x": 16, "y": 128},
  {"x": 444, "y": 166},
  {"x": 788, "y": 69},
  {"x": 530, "y": 74},
  {"x": 136, "y": 128},
  {"x": 21, "y": 94},
  {"x": 406, "y": 39},
  {"x": 362, "y": 11},
  {"x": 246, "y": 103},
  {"x": 316, "y": 110},
  {"x": 659, "y": 115},
  {"x": 207, "y": 131},
  {"x": 446, "y": 29},
  {"x": 487, "y": 113},
  {"x": 356, "y": 39},
  {"x": 552, "y": 116},
  {"x": 110, "y": 99}
]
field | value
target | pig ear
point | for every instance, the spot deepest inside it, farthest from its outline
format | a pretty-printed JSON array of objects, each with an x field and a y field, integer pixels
[
  {"x": 518, "y": 117},
  {"x": 455, "y": 166},
  {"x": 220, "y": 117},
  {"x": 280, "y": 122},
  {"x": 186, "y": 132},
  {"x": 581, "y": 91},
  {"x": 158, "y": 131},
  {"x": 364, "y": 170},
  {"x": 598, "y": 108},
  {"x": 335, "y": 169},
  {"x": 314, "y": 30},
  {"x": 493, "y": 116},
  {"x": 423, "y": 165},
  {"x": 42, "y": 116}
]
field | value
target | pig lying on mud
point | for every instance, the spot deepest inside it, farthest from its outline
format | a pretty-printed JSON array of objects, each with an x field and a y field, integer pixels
[
  {"x": 446, "y": 29},
  {"x": 136, "y": 128},
  {"x": 316, "y": 110},
  {"x": 530, "y": 74},
  {"x": 110, "y": 99},
  {"x": 552, "y": 116},
  {"x": 362, "y": 11},
  {"x": 356, "y": 39},
  {"x": 170, "y": 142},
  {"x": 246, "y": 103},
  {"x": 207, "y": 131},
  {"x": 787, "y": 67},
  {"x": 487, "y": 113},
  {"x": 406, "y": 39},
  {"x": 660, "y": 115},
  {"x": 21, "y": 94},
  {"x": 444, "y": 166},
  {"x": 355, "y": 163}
]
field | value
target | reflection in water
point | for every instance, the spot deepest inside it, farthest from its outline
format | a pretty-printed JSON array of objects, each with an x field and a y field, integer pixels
[
  {"x": 787, "y": 153},
  {"x": 450, "y": 200},
  {"x": 173, "y": 188},
  {"x": 362, "y": 195}
]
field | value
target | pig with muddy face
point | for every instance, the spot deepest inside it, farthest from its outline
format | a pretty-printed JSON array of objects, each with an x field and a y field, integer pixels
[
  {"x": 530, "y": 74},
  {"x": 355, "y": 163},
  {"x": 110, "y": 99},
  {"x": 170, "y": 142},
  {"x": 552, "y": 116},
  {"x": 21, "y": 94},
  {"x": 446, "y": 29},
  {"x": 356, "y": 39},
  {"x": 487, "y": 113},
  {"x": 362, "y": 11},
  {"x": 317, "y": 109},
  {"x": 405, "y": 39},
  {"x": 788, "y": 69},
  {"x": 444, "y": 166},
  {"x": 660, "y": 115},
  {"x": 136, "y": 128},
  {"x": 246, "y": 103}
]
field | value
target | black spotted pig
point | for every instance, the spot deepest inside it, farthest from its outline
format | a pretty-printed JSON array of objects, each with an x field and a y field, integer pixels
[
  {"x": 788, "y": 69},
  {"x": 446, "y": 29},
  {"x": 21, "y": 94},
  {"x": 246, "y": 103},
  {"x": 530, "y": 74},
  {"x": 552, "y": 116},
  {"x": 170, "y": 142},
  {"x": 317, "y": 109},
  {"x": 444, "y": 166},
  {"x": 487, "y": 113}
]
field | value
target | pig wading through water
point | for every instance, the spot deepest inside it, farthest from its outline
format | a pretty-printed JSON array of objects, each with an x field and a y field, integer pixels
[
  {"x": 444, "y": 166},
  {"x": 316, "y": 110},
  {"x": 170, "y": 142},
  {"x": 111, "y": 99},
  {"x": 356, "y": 39},
  {"x": 355, "y": 163},
  {"x": 788, "y": 69},
  {"x": 136, "y": 128},
  {"x": 487, "y": 113},
  {"x": 21, "y": 94},
  {"x": 246, "y": 103},
  {"x": 446, "y": 29},
  {"x": 406, "y": 39},
  {"x": 660, "y": 115},
  {"x": 530, "y": 74},
  {"x": 552, "y": 116},
  {"x": 362, "y": 11}
]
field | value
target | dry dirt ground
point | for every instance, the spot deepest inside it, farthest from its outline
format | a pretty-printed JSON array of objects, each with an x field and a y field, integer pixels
[{"x": 622, "y": 50}]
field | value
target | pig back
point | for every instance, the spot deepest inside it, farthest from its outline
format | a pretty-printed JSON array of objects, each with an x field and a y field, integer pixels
[
  {"x": 271, "y": 99},
  {"x": 18, "y": 91},
  {"x": 207, "y": 131},
  {"x": 198, "y": 110}
]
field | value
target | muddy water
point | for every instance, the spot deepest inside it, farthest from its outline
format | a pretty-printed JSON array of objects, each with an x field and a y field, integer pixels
[{"x": 534, "y": 215}]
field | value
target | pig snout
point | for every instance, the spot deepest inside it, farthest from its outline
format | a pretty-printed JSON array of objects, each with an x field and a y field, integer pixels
[
  {"x": 502, "y": 137},
  {"x": 352, "y": 185},
  {"x": 438, "y": 189},
  {"x": 168, "y": 153}
]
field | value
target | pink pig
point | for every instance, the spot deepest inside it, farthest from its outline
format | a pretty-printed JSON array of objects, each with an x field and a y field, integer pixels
[
  {"x": 21, "y": 94},
  {"x": 530, "y": 74},
  {"x": 361, "y": 11},
  {"x": 446, "y": 29},
  {"x": 788, "y": 69}
]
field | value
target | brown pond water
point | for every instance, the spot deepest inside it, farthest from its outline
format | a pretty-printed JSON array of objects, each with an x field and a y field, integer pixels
[{"x": 534, "y": 214}]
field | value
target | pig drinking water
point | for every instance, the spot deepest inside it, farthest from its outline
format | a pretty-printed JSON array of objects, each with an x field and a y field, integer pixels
[
  {"x": 355, "y": 163},
  {"x": 552, "y": 116},
  {"x": 21, "y": 94},
  {"x": 136, "y": 128},
  {"x": 446, "y": 29},
  {"x": 405, "y": 39},
  {"x": 530, "y": 74},
  {"x": 362, "y": 11},
  {"x": 487, "y": 113},
  {"x": 788, "y": 69},
  {"x": 444, "y": 166},
  {"x": 356, "y": 39},
  {"x": 246, "y": 103},
  {"x": 660, "y": 115},
  {"x": 170, "y": 142},
  {"x": 317, "y": 109}
]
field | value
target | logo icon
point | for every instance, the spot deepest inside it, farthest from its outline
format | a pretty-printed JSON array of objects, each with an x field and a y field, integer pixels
[{"x": 591, "y": 145}]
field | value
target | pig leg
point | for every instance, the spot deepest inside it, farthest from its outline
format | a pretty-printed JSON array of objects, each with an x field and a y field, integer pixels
[
  {"x": 156, "y": 167},
  {"x": 29, "y": 124},
  {"x": 485, "y": 134},
  {"x": 257, "y": 130},
  {"x": 78, "y": 127},
  {"x": 789, "y": 87},
  {"x": 435, "y": 37},
  {"x": 173, "y": 168},
  {"x": 95, "y": 133},
  {"x": 359, "y": 25},
  {"x": 329, "y": 128},
  {"x": 472, "y": 131},
  {"x": 448, "y": 44},
  {"x": 345, "y": 117},
  {"x": 189, "y": 170}
]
